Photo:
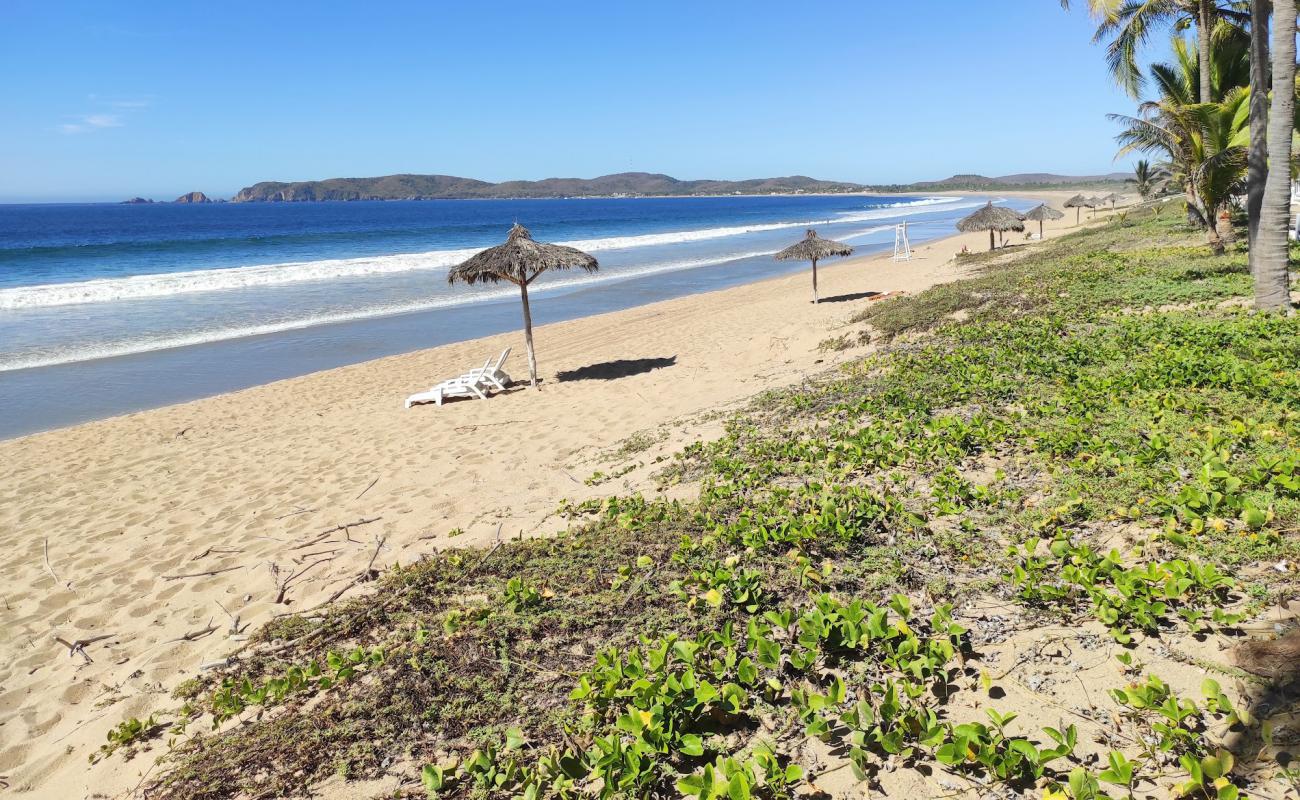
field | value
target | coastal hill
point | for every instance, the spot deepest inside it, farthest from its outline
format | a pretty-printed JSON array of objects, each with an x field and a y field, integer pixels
[
  {"x": 1022, "y": 180},
  {"x": 624, "y": 184},
  {"x": 428, "y": 187}
]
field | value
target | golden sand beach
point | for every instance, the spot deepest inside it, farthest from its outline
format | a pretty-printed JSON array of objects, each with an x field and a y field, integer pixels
[{"x": 145, "y": 546}]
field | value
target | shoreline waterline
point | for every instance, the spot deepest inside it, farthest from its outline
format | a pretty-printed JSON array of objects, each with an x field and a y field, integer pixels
[{"x": 49, "y": 396}]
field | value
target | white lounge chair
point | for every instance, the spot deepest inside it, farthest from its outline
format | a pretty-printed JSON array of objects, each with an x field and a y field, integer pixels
[
  {"x": 471, "y": 384},
  {"x": 492, "y": 373}
]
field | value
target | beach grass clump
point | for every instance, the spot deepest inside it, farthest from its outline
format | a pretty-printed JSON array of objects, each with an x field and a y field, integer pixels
[{"x": 1100, "y": 437}]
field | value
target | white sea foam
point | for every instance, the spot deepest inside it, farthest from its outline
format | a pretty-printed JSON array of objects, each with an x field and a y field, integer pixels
[
  {"x": 179, "y": 283},
  {"x": 90, "y": 352}
]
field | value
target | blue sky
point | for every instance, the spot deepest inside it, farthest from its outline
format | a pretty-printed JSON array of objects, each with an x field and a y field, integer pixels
[{"x": 106, "y": 100}]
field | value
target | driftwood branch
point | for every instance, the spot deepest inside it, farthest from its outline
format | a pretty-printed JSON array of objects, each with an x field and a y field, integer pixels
[
  {"x": 234, "y": 620},
  {"x": 495, "y": 548},
  {"x": 218, "y": 550},
  {"x": 368, "y": 488},
  {"x": 196, "y": 634},
  {"x": 200, "y": 574},
  {"x": 347, "y": 525},
  {"x": 297, "y": 510},
  {"x": 283, "y": 585},
  {"x": 367, "y": 574},
  {"x": 78, "y": 646},
  {"x": 50, "y": 569}
]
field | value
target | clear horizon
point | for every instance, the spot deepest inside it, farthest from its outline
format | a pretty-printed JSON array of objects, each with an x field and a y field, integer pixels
[{"x": 157, "y": 100}]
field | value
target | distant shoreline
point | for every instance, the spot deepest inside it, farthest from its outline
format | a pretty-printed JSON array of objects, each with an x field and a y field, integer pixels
[{"x": 938, "y": 192}]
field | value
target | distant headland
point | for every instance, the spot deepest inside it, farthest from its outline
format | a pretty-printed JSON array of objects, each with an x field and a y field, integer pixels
[
  {"x": 436, "y": 187},
  {"x": 623, "y": 184}
]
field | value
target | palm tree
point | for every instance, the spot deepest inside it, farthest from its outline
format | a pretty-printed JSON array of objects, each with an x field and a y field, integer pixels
[
  {"x": 1272, "y": 273},
  {"x": 1151, "y": 178},
  {"x": 1128, "y": 24},
  {"x": 1230, "y": 66},
  {"x": 1206, "y": 145}
]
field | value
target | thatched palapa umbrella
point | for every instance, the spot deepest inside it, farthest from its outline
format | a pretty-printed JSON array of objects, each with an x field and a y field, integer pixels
[
  {"x": 519, "y": 261},
  {"x": 1077, "y": 203},
  {"x": 1111, "y": 198},
  {"x": 813, "y": 248},
  {"x": 1042, "y": 213},
  {"x": 991, "y": 218}
]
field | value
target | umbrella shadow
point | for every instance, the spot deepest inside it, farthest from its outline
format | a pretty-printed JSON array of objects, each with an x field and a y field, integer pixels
[
  {"x": 847, "y": 298},
  {"x": 613, "y": 370}
]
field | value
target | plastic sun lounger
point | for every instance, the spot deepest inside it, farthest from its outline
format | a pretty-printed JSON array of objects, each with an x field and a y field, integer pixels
[
  {"x": 470, "y": 384},
  {"x": 492, "y": 373}
]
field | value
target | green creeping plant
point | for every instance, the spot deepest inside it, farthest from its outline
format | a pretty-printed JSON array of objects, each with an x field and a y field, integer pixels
[
  {"x": 987, "y": 748},
  {"x": 127, "y": 733},
  {"x": 1207, "y": 777},
  {"x": 893, "y": 722},
  {"x": 1142, "y": 597},
  {"x": 723, "y": 582},
  {"x": 519, "y": 596},
  {"x": 233, "y": 697}
]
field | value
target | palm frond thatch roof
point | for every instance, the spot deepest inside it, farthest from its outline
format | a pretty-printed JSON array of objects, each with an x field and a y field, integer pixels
[
  {"x": 1044, "y": 213},
  {"x": 519, "y": 260},
  {"x": 1078, "y": 201},
  {"x": 992, "y": 217},
  {"x": 813, "y": 248}
]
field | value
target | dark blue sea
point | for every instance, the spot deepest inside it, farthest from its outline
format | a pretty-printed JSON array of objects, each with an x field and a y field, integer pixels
[{"x": 106, "y": 309}]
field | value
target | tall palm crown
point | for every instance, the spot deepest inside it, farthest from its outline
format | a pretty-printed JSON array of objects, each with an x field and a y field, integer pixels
[
  {"x": 1125, "y": 25},
  {"x": 1205, "y": 144}
]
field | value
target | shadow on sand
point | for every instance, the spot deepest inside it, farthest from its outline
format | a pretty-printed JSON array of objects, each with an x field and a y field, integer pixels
[
  {"x": 613, "y": 370},
  {"x": 848, "y": 298}
]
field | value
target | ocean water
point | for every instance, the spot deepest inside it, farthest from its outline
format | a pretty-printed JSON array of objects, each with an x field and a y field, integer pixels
[{"x": 109, "y": 308}]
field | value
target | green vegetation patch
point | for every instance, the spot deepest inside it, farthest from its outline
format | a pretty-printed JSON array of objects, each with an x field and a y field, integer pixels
[{"x": 1095, "y": 431}]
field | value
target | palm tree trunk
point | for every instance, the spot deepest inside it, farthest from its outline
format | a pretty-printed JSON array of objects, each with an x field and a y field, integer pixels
[
  {"x": 1257, "y": 155},
  {"x": 1272, "y": 276},
  {"x": 1204, "y": 30},
  {"x": 1214, "y": 232},
  {"x": 1195, "y": 217},
  {"x": 528, "y": 333},
  {"x": 814, "y": 281}
]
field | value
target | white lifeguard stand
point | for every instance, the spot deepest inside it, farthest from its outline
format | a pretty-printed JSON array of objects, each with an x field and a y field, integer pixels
[{"x": 902, "y": 246}]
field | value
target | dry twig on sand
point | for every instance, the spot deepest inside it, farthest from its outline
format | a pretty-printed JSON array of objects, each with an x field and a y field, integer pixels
[
  {"x": 297, "y": 510},
  {"x": 368, "y": 488},
  {"x": 50, "y": 569},
  {"x": 218, "y": 550},
  {"x": 234, "y": 620},
  {"x": 344, "y": 527},
  {"x": 367, "y": 574},
  {"x": 283, "y": 585},
  {"x": 78, "y": 646},
  {"x": 196, "y": 634},
  {"x": 200, "y": 574}
]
